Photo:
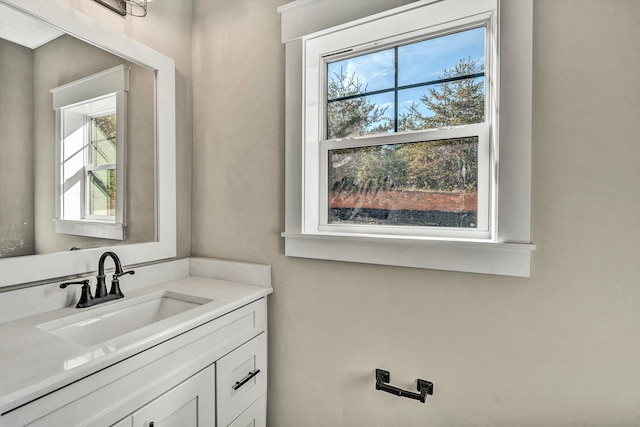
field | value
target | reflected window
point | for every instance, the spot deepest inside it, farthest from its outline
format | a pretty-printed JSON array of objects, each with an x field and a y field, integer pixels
[{"x": 91, "y": 143}]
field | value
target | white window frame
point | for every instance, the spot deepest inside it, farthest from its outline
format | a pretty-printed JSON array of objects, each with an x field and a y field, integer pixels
[
  {"x": 506, "y": 249},
  {"x": 85, "y": 94}
]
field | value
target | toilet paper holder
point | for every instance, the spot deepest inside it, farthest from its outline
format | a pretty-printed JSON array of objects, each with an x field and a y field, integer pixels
[{"x": 424, "y": 387}]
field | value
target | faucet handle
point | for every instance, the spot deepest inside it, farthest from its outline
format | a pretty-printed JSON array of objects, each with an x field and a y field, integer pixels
[
  {"x": 85, "y": 297},
  {"x": 115, "y": 283},
  {"x": 80, "y": 282}
]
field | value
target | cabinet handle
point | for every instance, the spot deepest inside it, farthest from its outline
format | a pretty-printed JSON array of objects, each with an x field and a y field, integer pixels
[{"x": 246, "y": 379}]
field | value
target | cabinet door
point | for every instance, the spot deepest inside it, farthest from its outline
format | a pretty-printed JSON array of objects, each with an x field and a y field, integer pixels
[
  {"x": 190, "y": 403},
  {"x": 241, "y": 378},
  {"x": 255, "y": 416}
]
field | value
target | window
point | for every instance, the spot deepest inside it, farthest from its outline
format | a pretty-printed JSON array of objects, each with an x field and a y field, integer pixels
[
  {"x": 407, "y": 146},
  {"x": 90, "y": 145},
  {"x": 88, "y": 161},
  {"x": 403, "y": 140}
]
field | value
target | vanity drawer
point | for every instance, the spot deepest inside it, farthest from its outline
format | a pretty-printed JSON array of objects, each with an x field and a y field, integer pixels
[
  {"x": 241, "y": 378},
  {"x": 255, "y": 416}
]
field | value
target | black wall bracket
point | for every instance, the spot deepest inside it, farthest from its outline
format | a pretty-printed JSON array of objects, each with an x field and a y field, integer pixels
[{"x": 424, "y": 387}]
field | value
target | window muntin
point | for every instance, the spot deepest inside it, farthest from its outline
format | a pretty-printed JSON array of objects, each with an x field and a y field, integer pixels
[
  {"x": 439, "y": 53},
  {"x": 420, "y": 85},
  {"x": 361, "y": 115},
  {"x": 414, "y": 184}
]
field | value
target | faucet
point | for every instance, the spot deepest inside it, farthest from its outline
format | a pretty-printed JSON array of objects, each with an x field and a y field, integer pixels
[
  {"x": 101, "y": 289},
  {"x": 86, "y": 299}
]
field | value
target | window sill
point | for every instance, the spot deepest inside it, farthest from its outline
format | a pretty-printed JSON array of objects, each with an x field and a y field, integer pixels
[
  {"x": 508, "y": 259},
  {"x": 99, "y": 229}
]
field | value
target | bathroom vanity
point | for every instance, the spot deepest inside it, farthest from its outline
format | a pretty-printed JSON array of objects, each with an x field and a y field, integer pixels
[{"x": 188, "y": 351}]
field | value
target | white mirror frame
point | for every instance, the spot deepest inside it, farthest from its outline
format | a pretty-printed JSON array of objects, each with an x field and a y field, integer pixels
[{"x": 33, "y": 268}]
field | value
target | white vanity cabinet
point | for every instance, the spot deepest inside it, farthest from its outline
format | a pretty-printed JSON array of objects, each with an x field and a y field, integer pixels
[
  {"x": 241, "y": 379},
  {"x": 199, "y": 377},
  {"x": 241, "y": 385},
  {"x": 189, "y": 404}
]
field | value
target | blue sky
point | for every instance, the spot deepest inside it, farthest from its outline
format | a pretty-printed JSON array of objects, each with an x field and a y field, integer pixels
[{"x": 417, "y": 62}]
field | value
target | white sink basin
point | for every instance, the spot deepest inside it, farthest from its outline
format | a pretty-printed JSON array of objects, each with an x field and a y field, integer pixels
[{"x": 114, "y": 320}]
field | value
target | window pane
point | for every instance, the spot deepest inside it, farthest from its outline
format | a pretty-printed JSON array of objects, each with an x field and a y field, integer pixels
[
  {"x": 428, "y": 184},
  {"x": 360, "y": 116},
  {"x": 103, "y": 145},
  {"x": 452, "y": 55},
  {"x": 102, "y": 192},
  {"x": 447, "y": 104},
  {"x": 361, "y": 74}
]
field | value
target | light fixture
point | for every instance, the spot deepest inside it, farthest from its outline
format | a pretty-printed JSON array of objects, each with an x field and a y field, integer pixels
[
  {"x": 134, "y": 7},
  {"x": 126, "y": 7}
]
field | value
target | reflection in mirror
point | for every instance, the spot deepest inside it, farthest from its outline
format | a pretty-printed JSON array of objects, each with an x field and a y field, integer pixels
[
  {"x": 91, "y": 118},
  {"x": 33, "y": 220},
  {"x": 150, "y": 204}
]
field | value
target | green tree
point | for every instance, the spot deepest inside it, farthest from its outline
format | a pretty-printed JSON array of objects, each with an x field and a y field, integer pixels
[
  {"x": 368, "y": 169},
  {"x": 361, "y": 169},
  {"x": 449, "y": 165},
  {"x": 446, "y": 165},
  {"x": 454, "y": 103},
  {"x": 354, "y": 116}
]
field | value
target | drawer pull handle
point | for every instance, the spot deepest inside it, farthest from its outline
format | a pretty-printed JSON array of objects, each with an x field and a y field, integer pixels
[{"x": 246, "y": 379}]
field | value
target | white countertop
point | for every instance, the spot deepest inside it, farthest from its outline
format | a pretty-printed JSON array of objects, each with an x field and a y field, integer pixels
[{"x": 34, "y": 362}]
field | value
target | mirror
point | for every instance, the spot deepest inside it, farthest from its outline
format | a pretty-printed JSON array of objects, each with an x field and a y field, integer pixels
[
  {"x": 49, "y": 74},
  {"x": 71, "y": 38}
]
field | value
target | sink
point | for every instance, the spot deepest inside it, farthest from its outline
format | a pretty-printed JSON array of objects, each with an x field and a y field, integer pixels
[{"x": 114, "y": 320}]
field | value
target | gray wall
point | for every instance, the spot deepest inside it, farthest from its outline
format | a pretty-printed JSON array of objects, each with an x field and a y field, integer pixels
[
  {"x": 16, "y": 150},
  {"x": 560, "y": 348}
]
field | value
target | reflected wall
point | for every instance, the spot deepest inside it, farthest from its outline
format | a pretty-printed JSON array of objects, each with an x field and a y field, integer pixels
[{"x": 17, "y": 233}]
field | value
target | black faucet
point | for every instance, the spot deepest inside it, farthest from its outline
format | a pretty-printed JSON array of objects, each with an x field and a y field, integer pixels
[
  {"x": 86, "y": 300},
  {"x": 101, "y": 289}
]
